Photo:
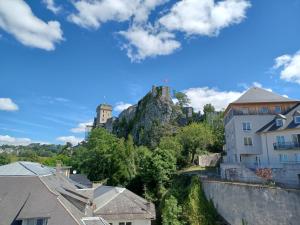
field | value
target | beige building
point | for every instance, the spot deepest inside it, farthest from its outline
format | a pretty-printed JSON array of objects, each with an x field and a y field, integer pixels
[
  {"x": 262, "y": 130},
  {"x": 104, "y": 112}
]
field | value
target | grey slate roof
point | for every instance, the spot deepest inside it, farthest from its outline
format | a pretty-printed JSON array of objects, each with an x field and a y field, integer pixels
[
  {"x": 25, "y": 169},
  {"x": 81, "y": 179},
  {"x": 289, "y": 122},
  {"x": 259, "y": 95},
  {"x": 113, "y": 203},
  {"x": 29, "y": 190}
]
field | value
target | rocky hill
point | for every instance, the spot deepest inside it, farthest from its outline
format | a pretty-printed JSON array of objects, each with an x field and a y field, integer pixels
[{"x": 153, "y": 116}]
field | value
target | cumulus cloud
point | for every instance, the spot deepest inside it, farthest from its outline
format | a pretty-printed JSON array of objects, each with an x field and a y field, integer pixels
[
  {"x": 146, "y": 39},
  {"x": 148, "y": 42},
  {"x": 204, "y": 95},
  {"x": 17, "y": 19},
  {"x": 92, "y": 13},
  {"x": 120, "y": 106},
  {"x": 81, "y": 127},
  {"x": 206, "y": 17},
  {"x": 8, "y": 140},
  {"x": 72, "y": 139},
  {"x": 50, "y": 4},
  {"x": 289, "y": 66},
  {"x": 6, "y": 104}
]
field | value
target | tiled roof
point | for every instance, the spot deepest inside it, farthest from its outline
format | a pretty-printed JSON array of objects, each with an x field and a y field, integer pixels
[{"x": 259, "y": 95}]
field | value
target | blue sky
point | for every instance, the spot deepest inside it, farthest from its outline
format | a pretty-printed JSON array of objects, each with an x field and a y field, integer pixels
[{"x": 60, "y": 59}]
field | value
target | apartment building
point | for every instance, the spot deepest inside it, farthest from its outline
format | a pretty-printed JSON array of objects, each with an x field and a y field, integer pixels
[{"x": 262, "y": 130}]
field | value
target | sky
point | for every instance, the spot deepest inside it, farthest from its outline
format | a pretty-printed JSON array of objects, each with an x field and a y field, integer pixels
[{"x": 59, "y": 59}]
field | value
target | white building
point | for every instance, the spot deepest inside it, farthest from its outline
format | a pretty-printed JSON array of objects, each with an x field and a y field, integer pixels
[{"x": 262, "y": 130}]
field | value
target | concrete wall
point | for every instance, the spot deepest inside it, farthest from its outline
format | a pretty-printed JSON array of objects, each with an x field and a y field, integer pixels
[{"x": 254, "y": 204}]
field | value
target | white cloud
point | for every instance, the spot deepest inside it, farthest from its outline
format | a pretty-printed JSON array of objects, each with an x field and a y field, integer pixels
[
  {"x": 6, "y": 104},
  {"x": 205, "y": 95},
  {"x": 50, "y": 4},
  {"x": 92, "y": 13},
  {"x": 81, "y": 127},
  {"x": 120, "y": 106},
  {"x": 205, "y": 17},
  {"x": 72, "y": 139},
  {"x": 148, "y": 42},
  {"x": 8, "y": 140},
  {"x": 17, "y": 18},
  {"x": 289, "y": 66}
]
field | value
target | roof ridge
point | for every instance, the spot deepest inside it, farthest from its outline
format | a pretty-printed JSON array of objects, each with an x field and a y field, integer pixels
[{"x": 21, "y": 163}]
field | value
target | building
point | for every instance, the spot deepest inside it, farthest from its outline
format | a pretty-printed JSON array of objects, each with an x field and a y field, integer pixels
[
  {"x": 262, "y": 131},
  {"x": 119, "y": 206},
  {"x": 33, "y": 194},
  {"x": 104, "y": 112}
]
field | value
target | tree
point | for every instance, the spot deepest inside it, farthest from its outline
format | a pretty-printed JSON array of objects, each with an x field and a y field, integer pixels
[
  {"x": 4, "y": 159},
  {"x": 199, "y": 211},
  {"x": 195, "y": 139},
  {"x": 182, "y": 98},
  {"x": 95, "y": 159},
  {"x": 171, "y": 211},
  {"x": 208, "y": 108}
]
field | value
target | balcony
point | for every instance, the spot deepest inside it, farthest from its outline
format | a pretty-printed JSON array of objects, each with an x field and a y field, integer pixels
[{"x": 287, "y": 146}]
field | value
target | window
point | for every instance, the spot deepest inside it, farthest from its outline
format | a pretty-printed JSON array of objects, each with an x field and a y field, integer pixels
[
  {"x": 248, "y": 141},
  {"x": 297, "y": 157},
  {"x": 279, "y": 122},
  {"x": 39, "y": 221},
  {"x": 297, "y": 119},
  {"x": 125, "y": 223},
  {"x": 246, "y": 126},
  {"x": 264, "y": 110},
  {"x": 283, "y": 157},
  {"x": 280, "y": 140},
  {"x": 277, "y": 109},
  {"x": 245, "y": 111}
]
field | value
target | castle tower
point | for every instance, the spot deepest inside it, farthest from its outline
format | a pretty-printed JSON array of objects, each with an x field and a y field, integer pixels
[{"x": 104, "y": 112}]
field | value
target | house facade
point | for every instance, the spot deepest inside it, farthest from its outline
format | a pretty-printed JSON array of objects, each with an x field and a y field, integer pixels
[{"x": 262, "y": 130}]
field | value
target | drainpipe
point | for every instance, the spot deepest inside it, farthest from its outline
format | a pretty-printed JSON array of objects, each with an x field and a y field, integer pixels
[{"x": 267, "y": 149}]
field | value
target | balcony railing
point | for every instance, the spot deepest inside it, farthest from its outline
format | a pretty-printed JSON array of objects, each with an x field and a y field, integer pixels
[{"x": 287, "y": 146}]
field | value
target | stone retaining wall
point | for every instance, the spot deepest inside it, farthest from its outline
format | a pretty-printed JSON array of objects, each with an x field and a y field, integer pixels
[{"x": 241, "y": 203}]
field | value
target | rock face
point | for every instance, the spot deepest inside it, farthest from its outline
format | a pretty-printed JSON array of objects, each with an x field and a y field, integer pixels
[{"x": 147, "y": 121}]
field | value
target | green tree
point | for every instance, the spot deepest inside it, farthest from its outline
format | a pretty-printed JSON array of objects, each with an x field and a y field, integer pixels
[
  {"x": 198, "y": 210},
  {"x": 207, "y": 109},
  {"x": 171, "y": 211},
  {"x": 4, "y": 159},
  {"x": 182, "y": 98},
  {"x": 195, "y": 139}
]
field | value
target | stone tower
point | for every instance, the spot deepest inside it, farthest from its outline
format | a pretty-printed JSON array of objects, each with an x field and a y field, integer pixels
[{"x": 104, "y": 112}]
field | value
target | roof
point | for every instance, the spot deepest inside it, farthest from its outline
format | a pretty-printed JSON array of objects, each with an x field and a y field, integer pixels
[
  {"x": 260, "y": 95},
  {"x": 289, "y": 122},
  {"x": 113, "y": 203},
  {"x": 25, "y": 169},
  {"x": 81, "y": 179},
  {"x": 29, "y": 190}
]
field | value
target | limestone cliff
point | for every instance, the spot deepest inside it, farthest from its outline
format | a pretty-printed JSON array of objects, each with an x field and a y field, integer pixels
[{"x": 154, "y": 115}]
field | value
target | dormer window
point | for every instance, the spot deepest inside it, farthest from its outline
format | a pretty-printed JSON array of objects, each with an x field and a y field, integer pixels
[
  {"x": 279, "y": 122},
  {"x": 297, "y": 119}
]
